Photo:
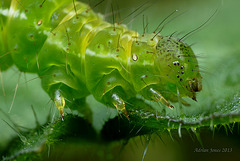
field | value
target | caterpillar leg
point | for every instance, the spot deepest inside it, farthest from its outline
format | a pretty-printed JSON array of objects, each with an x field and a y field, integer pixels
[
  {"x": 119, "y": 104},
  {"x": 60, "y": 102},
  {"x": 155, "y": 95}
]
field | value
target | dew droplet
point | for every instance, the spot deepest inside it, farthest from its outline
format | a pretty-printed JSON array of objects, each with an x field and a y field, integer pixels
[
  {"x": 134, "y": 57},
  {"x": 179, "y": 130},
  {"x": 211, "y": 124},
  {"x": 146, "y": 147},
  {"x": 170, "y": 134},
  {"x": 39, "y": 22}
]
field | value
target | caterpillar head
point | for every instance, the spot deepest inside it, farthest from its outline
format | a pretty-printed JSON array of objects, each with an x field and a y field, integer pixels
[{"x": 177, "y": 61}]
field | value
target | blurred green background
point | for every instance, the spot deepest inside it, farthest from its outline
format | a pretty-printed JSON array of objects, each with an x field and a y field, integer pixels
[{"x": 216, "y": 44}]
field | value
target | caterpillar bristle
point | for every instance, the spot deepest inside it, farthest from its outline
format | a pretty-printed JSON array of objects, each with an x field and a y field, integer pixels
[
  {"x": 21, "y": 5},
  {"x": 35, "y": 51},
  {"x": 20, "y": 135},
  {"x": 15, "y": 93},
  {"x": 42, "y": 4},
  {"x": 9, "y": 52},
  {"x": 75, "y": 9},
  {"x": 148, "y": 138},
  {"x": 35, "y": 116},
  {"x": 133, "y": 12},
  {"x": 199, "y": 27},
  {"x": 164, "y": 21}
]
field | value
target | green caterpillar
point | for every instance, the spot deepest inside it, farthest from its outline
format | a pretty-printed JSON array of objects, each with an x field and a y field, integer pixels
[{"x": 76, "y": 53}]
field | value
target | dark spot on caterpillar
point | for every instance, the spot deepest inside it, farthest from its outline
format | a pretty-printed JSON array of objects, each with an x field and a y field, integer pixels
[
  {"x": 54, "y": 34},
  {"x": 182, "y": 67},
  {"x": 177, "y": 76},
  {"x": 176, "y": 63},
  {"x": 182, "y": 72}
]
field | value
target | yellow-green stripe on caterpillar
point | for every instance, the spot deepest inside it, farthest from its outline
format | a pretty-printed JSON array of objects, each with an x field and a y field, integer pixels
[{"x": 76, "y": 53}]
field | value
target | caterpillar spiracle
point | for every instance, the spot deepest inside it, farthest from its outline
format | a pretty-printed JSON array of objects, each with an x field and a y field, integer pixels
[{"x": 76, "y": 53}]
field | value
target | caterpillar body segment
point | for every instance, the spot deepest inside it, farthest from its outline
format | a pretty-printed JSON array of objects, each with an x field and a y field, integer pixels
[
  {"x": 76, "y": 53},
  {"x": 5, "y": 54},
  {"x": 30, "y": 35}
]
